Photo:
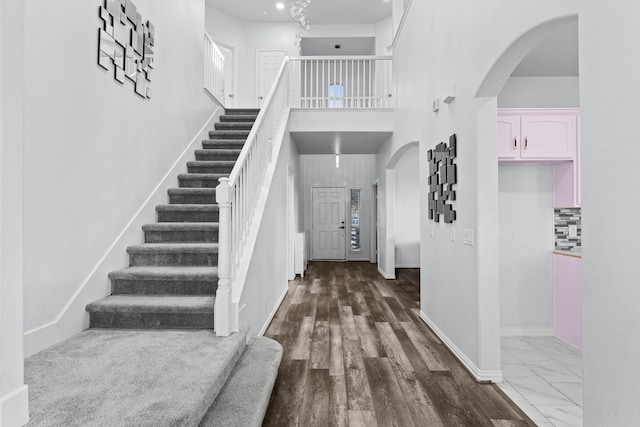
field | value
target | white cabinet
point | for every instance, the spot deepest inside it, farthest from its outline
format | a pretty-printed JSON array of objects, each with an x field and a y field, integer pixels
[
  {"x": 300, "y": 254},
  {"x": 537, "y": 135}
]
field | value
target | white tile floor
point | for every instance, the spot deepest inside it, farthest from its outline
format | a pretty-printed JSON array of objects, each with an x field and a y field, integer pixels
[{"x": 543, "y": 376}]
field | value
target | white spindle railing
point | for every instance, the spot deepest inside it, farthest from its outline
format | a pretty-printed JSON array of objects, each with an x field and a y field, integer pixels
[
  {"x": 238, "y": 195},
  {"x": 362, "y": 82},
  {"x": 213, "y": 70}
]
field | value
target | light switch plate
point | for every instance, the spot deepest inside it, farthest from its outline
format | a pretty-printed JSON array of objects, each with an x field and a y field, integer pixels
[
  {"x": 468, "y": 237},
  {"x": 453, "y": 234}
]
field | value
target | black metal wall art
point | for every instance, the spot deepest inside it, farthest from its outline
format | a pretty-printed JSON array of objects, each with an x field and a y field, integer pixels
[
  {"x": 127, "y": 43},
  {"x": 443, "y": 175}
]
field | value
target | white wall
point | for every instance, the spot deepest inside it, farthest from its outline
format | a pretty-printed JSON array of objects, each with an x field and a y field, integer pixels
[
  {"x": 94, "y": 150},
  {"x": 407, "y": 210},
  {"x": 609, "y": 103},
  {"x": 247, "y": 38},
  {"x": 267, "y": 277},
  {"x": 460, "y": 42},
  {"x": 540, "y": 92},
  {"x": 13, "y": 394},
  {"x": 355, "y": 171},
  {"x": 526, "y": 247},
  {"x": 384, "y": 35}
]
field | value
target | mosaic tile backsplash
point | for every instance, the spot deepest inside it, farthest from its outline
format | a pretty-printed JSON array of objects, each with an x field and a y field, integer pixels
[{"x": 568, "y": 230}]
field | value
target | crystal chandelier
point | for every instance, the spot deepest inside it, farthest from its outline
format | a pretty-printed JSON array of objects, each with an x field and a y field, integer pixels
[{"x": 299, "y": 13}]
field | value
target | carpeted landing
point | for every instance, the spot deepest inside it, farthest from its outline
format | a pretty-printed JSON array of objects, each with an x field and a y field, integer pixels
[
  {"x": 107, "y": 377},
  {"x": 151, "y": 357}
]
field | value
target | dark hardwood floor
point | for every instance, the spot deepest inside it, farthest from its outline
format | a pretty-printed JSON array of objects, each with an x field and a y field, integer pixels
[{"x": 356, "y": 353}]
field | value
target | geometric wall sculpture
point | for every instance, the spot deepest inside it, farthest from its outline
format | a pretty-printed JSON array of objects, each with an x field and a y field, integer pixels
[
  {"x": 126, "y": 43},
  {"x": 443, "y": 175}
]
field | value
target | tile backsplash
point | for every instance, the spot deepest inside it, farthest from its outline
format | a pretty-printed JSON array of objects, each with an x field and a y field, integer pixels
[{"x": 568, "y": 230}]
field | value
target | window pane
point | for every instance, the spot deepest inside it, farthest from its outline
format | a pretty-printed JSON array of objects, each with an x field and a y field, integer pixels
[
  {"x": 336, "y": 90},
  {"x": 355, "y": 220}
]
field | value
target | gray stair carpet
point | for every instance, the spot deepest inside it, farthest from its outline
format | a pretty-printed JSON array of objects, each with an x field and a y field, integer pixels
[
  {"x": 172, "y": 276},
  {"x": 245, "y": 397},
  {"x": 109, "y": 377}
]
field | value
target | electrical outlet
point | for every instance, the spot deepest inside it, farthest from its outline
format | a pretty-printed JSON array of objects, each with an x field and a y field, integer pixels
[
  {"x": 468, "y": 237},
  {"x": 432, "y": 231}
]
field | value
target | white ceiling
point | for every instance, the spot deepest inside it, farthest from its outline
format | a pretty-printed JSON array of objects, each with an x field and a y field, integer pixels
[
  {"x": 339, "y": 142},
  {"x": 320, "y": 11},
  {"x": 556, "y": 56}
]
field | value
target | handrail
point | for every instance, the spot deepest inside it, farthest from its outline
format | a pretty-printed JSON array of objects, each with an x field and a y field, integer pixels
[{"x": 237, "y": 197}]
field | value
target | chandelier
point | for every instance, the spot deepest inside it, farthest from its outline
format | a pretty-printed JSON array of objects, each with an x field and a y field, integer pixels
[{"x": 298, "y": 12}]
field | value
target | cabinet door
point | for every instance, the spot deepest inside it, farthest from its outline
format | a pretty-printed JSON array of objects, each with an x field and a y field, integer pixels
[
  {"x": 508, "y": 137},
  {"x": 548, "y": 137}
]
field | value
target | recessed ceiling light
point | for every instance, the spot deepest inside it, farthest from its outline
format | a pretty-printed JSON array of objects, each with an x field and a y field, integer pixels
[{"x": 280, "y": 6}]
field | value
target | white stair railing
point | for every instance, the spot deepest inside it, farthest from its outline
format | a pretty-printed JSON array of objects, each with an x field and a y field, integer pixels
[
  {"x": 238, "y": 197},
  {"x": 213, "y": 70},
  {"x": 359, "y": 82}
]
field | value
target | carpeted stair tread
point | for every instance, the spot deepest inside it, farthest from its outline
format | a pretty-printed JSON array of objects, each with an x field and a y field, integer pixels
[
  {"x": 154, "y": 304},
  {"x": 211, "y": 166},
  {"x": 241, "y": 111},
  {"x": 173, "y": 248},
  {"x": 229, "y": 134},
  {"x": 187, "y": 207},
  {"x": 221, "y": 143},
  {"x": 218, "y": 154},
  {"x": 185, "y": 226},
  {"x": 164, "y": 273},
  {"x": 213, "y": 176},
  {"x": 147, "y": 378},
  {"x": 238, "y": 118},
  {"x": 245, "y": 397},
  {"x": 233, "y": 125}
]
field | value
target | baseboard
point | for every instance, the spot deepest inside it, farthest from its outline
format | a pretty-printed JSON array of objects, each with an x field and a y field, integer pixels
[
  {"x": 14, "y": 408},
  {"x": 273, "y": 312},
  {"x": 526, "y": 332},
  {"x": 407, "y": 266},
  {"x": 74, "y": 318},
  {"x": 478, "y": 374},
  {"x": 385, "y": 275}
]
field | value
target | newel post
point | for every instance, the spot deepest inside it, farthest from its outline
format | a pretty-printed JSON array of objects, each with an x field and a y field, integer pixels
[{"x": 222, "y": 314}]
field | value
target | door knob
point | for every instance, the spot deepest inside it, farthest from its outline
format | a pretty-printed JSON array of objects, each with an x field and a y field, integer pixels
[{"x": 342, "y": 227}]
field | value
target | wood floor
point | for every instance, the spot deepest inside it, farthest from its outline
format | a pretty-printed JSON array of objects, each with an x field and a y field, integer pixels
[{"x": 357, "y": 354}]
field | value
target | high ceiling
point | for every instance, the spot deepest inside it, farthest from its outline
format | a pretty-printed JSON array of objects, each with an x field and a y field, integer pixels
[{"x": 321, "y": 12}]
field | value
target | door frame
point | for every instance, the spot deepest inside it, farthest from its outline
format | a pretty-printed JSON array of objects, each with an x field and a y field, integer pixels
[
  {"x": 311, "y": 234},
  {"x": 257, "y": 93},
  {"x": 374, "y": 226},
  {"x": 234, "y": 71},
  {"x": 291, "y": 226}
]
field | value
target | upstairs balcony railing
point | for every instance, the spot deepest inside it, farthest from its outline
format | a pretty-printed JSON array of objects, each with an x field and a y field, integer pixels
[
  {"x": 213, "y": 70},
  {"x": 354, "y": 82}
]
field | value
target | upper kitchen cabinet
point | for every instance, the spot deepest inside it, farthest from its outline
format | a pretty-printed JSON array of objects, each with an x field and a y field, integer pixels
[{"x": 537, "y": 135}]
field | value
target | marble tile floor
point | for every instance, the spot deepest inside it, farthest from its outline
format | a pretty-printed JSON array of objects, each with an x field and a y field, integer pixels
[{"x": 543, "y": 376}]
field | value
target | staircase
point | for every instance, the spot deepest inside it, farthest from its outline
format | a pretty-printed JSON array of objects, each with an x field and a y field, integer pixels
[
  {"x": 172, "y": 277},
  {"x": 151, "y": 357}
]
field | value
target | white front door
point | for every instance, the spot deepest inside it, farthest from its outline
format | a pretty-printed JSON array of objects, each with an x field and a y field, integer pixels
[
  {"x": 229, "y": 76},
  {"x": 328, "y": 223},
  {"x": 268, "y": 65}
]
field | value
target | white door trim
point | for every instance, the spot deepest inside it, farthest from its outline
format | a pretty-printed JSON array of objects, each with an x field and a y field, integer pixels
[
  {"x": 234, "y": 51},
  {"x": 291, "y": 226},
  {"x": 374, "y": 226},
  {"x": 258, "y": 51},
  {"x": 312, "y": 255}
]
